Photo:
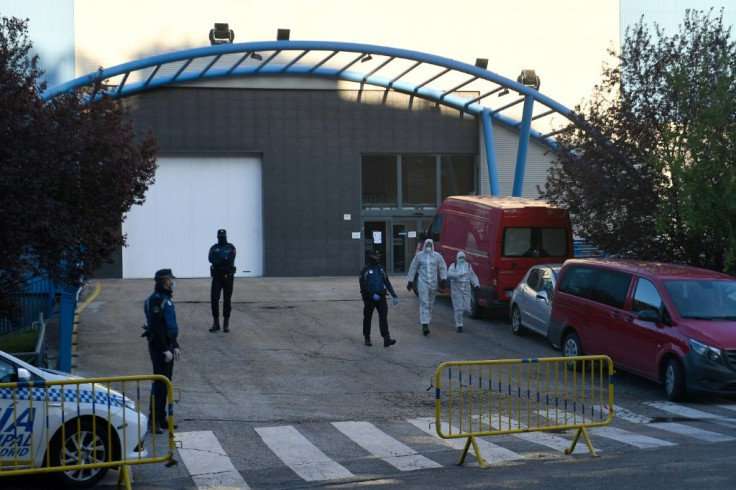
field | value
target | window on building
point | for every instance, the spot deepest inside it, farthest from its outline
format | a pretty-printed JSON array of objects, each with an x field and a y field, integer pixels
[
  {"x": 419, "y": 181},
  {"x": 379, "y": 182},
  {"x": 457, "y": 175},
  {"x": 425, "y": 180}
]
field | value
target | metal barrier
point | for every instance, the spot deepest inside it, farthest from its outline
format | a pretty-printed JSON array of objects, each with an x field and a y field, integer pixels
[
  {"x": 80, "y": 428},
  {"x": 485, "y": 398},
  {"x": 38, "y": 357},
  {"x": 38, "y": 297}
]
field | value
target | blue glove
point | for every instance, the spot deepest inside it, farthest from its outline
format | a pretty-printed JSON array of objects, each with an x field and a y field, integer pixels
[
  {"x": 376, "y": 297},
  {"x": 396, "y": 301}
]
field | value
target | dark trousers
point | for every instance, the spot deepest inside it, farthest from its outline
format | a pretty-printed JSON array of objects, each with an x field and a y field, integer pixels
[
  {"x": 158, "y": 389},
  {"x": 382, "y": 306},
  {"x": 221, "y": 284}
]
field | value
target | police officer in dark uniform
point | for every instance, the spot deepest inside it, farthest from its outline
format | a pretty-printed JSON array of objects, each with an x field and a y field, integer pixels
[
  {"x": 222, "y": 270},
  {"x": 374, "y": 284},
  {"x": 162, "y": 332}
]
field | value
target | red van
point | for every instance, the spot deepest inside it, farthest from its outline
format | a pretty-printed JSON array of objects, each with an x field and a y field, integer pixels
[
  {"x": 502, "y": 237},
  {"x": 670, "y": 323}
]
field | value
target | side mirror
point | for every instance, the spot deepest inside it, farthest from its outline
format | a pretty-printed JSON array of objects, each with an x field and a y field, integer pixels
[
  {"x": 23, "y": 374},
  {"x": 649, "y": 316}
]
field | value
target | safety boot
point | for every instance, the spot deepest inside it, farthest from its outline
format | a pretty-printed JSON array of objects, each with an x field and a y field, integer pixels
[
  {"x": 226, "y": 325},
  {"x": 425, "y": 328},
  {"x": 368, "y": 341},
  {"x": 215, "y": 326},
  {"x": 388, "y": 341}
]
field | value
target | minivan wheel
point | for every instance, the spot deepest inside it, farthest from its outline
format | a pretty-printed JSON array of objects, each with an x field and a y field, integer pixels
[
  {"x": 674, "y": 380},
  {"x": 516, "y": 327},
  {"x": 571, "y": 347}
]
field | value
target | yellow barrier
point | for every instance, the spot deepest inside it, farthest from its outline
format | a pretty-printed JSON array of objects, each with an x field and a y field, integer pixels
[
  {"x": 485, "y": 398},
  {"x": 80, "y": 428}
]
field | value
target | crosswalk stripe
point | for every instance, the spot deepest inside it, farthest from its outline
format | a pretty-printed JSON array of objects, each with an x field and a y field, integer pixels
[
  {"x": 622, "y": 413},
  {"x": 383, "y": 446},
  {"x": 731, "y": 407},
  {"x": 616, "y": 434},
  {"x": 303, "y": 457},
  {"x": 207, "y": 462},
  {"x": 674, "y": 427},
  {"x": 491, "y": 453},
  {"x": 632, "y": 438},
  {"x": 692, "y": 413},
  {"x": 694, "y": 432},
  {"x": 537, "y": 437}
]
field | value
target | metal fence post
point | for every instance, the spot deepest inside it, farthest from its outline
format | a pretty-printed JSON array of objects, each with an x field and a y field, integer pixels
[{"x": 67, "y": 308}]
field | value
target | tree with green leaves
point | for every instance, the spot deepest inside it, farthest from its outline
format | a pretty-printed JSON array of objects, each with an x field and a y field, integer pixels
[
  {"x": 71, "y": 168},
  {"x": 651, "y": 171}
]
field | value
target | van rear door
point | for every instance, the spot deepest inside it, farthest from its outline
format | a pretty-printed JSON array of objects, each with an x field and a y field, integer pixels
[{"x": 525, "y": 246}]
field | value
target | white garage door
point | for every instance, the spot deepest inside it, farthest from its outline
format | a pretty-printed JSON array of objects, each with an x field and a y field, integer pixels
[{"x": 192, "y": 198}]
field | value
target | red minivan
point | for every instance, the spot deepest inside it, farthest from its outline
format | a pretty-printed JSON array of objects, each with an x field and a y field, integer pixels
[
  {"x": 502, "y": 237},
  {"x": 670, "y": 323}
]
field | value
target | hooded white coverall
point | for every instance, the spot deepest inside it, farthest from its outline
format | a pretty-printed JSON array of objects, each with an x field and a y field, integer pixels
[
  {"x": 429, "y": 264},
  {"x": 462, "y": 277}
]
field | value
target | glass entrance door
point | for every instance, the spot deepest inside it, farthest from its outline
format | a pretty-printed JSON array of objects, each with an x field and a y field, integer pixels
[{"x": 404, "y": 241}]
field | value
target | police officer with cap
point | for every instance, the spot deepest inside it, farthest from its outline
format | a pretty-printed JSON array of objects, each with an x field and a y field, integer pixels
[
  {"x": 162, "y": 332},
  {"x": 222, "y": 270}
]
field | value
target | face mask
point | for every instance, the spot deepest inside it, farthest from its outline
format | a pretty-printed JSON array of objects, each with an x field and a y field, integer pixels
[
  {"x": 428, "y": 249},
  {"x": 461, "y": 260},
  {"x": 173, "y": 285}
]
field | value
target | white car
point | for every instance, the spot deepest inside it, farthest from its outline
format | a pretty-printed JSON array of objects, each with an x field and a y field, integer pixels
[
  {"x": 531, "y": 301},
  {"x": 104, "y": 424}
]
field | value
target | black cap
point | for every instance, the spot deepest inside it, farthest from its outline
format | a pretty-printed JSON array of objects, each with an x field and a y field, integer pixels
[
  {"x": 164, "y": 274},
  {"x": 221, "y": 232}
]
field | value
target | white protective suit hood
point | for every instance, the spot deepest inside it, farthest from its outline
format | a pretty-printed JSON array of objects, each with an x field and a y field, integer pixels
[{"x": 428, "y": 241}]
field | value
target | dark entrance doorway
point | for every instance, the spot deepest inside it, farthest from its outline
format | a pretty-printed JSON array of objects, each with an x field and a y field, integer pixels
[{"x": 374, "y": 238}]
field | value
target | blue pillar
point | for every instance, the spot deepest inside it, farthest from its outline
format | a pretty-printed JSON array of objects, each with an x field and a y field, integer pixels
[
  {"x": 485, "y": 118},
  {"x": 67, "y": 310},
  {"x": 524, "y": 131}
]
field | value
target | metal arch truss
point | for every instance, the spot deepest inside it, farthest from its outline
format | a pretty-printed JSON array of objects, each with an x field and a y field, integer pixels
[{"x": 405, "y": 71}]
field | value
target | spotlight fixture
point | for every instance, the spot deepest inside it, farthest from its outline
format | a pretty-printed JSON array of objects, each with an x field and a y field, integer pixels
[
  {"x": 481, "y": 63},
  {"x": 282, "y": 35},
  {"x": 503, "y": 92},
  {"x": 221, "y": 34},
  {"x": 366, "y": 58},
  {"x": 256, "y": 56},
  {"x": 529, "y": 78}
]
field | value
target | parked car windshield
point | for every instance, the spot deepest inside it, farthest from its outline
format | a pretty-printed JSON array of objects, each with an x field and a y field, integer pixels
[{"x": 703, "y": 299}]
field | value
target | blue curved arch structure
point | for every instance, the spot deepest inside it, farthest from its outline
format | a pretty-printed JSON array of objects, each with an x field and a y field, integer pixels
[{"x": 340, "y": 61}]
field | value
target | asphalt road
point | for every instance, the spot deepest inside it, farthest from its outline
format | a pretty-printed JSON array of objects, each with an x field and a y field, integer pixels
[{"x": 295, "y": 361}]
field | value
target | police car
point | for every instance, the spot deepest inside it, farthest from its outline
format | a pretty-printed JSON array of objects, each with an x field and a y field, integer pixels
[{"x": 98, "y": 424}]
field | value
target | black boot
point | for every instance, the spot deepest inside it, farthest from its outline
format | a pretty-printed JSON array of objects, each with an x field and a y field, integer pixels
[
  {"x": 368, "y": 341},
  {"x": 388, "y": 341},
  {"x": 226, "y": 325},
  {"x": 215, "y": 326},
  {"x": 425, "y": 328}
]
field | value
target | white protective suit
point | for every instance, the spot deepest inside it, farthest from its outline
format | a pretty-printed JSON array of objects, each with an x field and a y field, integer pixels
[
  {"x": 462, "y": 278},
  {"x": 429, "y": 265}
]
